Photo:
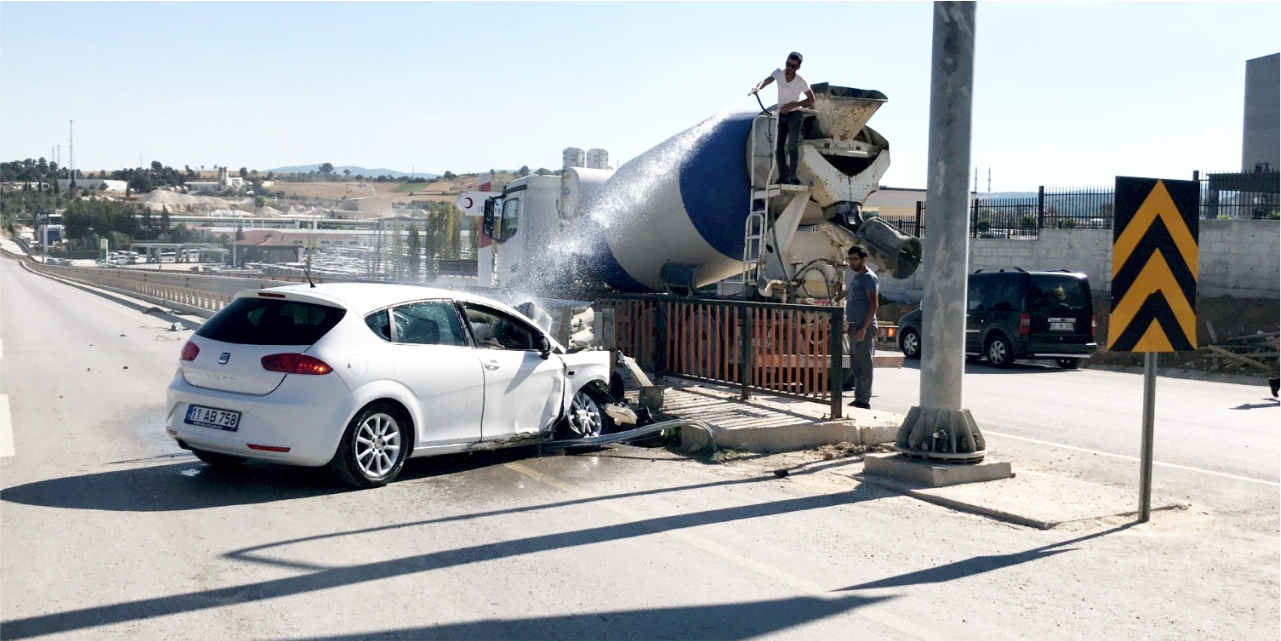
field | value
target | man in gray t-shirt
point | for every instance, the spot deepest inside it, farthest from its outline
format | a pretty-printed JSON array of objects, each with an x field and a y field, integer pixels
[{"x": 861, "y": 301}]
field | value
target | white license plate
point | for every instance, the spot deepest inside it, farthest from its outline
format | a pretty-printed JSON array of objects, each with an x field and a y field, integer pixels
[
  {"x": 211, "y": 417},
  {"x": 1062, "y": 326}
]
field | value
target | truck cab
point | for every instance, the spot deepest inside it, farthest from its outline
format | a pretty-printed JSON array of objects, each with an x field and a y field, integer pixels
[{"x": 523, "y": 222}]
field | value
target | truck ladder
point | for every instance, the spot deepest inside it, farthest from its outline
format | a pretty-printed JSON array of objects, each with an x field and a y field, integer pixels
[{"x": 757, "y": 224}]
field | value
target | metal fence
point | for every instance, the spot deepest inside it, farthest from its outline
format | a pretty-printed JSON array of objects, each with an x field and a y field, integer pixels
[
  {"x": 1227, "y": 195},
  {"x": 794, "y": 351}
]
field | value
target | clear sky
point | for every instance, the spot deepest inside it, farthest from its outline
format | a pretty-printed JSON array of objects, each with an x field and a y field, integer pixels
[{"x": 1066, "y": 94}]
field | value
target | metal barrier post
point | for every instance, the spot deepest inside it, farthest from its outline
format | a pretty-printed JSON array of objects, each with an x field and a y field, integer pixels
[
  {"x": 836, "y": 376},
  {"x": 745, "y": 360}
]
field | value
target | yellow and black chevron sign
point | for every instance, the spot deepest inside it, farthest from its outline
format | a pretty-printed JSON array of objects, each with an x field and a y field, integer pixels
[{"x": 1154, "y": 265}]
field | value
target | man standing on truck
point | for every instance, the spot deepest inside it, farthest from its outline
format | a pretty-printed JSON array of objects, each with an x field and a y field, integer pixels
[
  {"x": 793, "y": 93},
  {"x": 861, "y": 290}
]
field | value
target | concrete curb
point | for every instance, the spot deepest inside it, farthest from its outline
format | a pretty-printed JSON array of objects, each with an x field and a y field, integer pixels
[{"x": 788, "y": 438}]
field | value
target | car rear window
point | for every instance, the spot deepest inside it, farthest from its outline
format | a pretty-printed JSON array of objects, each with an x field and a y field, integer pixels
[
  {"x": 264, "y": 321},
  {"x": 1059, "y": 293}
]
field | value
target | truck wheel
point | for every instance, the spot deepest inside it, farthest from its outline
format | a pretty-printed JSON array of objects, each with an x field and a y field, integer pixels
[
  {"x": 1068, "y": 363},
  {"x": 999, "y": 352},
  {"x": 373, "y": 449},
  {"x": 910, "y": 343}
]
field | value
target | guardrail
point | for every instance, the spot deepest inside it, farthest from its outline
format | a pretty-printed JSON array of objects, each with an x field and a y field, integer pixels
[{"x": 202, "y": 292}]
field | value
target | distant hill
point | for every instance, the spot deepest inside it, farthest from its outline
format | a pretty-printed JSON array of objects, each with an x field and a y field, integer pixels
[{"x": 355, "y": 171}]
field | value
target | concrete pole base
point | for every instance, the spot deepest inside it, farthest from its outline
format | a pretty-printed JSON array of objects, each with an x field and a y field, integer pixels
[{"x": 939, "y": 434}]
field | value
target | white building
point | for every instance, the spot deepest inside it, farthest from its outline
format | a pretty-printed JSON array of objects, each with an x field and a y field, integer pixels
[
  {"x": 93, "y": 184},
  {"x": 573, "y": 157},
  {"x": 597, "y": 158}
]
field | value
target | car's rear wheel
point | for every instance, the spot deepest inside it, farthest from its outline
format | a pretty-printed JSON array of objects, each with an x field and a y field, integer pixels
[
  {"x": 586, "y": 417},
  {"x": 1068, "y": 363},
  {"x": 910, "y": 342},
  {"x": 999, "y": 352},
  {"x": 373, "y": 449},
  {"x": 218, "y": 460}
]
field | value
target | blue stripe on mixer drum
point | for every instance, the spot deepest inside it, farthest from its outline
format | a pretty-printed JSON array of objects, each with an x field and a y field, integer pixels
[
  {"x": 714, "y": 184},
  {"x": 600, "y": 261}
]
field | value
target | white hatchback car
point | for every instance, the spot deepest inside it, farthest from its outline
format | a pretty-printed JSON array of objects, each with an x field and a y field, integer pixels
[{"x": 361, "y": 376}]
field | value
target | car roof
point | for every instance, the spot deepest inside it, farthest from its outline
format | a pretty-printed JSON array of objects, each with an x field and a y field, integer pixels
[
  {"x": 366, "y": 297},
  {"x": 1030, "y": 272}
]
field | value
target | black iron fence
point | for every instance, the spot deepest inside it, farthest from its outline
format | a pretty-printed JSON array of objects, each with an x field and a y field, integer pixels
[
  {"x": 794, "y": 351},
  {"x": 1236, "y": 195}
]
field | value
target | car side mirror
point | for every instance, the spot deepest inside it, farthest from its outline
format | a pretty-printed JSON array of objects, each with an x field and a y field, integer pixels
[
  {"x": 488, "y": 225},
  {"x": 544, "y": 347}
]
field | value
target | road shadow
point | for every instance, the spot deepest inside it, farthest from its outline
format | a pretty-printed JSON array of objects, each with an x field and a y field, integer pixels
[
  {"x": 313, "y": 579},
  {"x": 719, "y": 622},
  {"x": 979, "y": 564},
  {"x": 189, "y": 484},
  {"x": 1267, "y": 402}
]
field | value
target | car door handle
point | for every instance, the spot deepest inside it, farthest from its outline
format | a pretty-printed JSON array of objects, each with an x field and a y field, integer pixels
[{"x": 491, "y": 365}]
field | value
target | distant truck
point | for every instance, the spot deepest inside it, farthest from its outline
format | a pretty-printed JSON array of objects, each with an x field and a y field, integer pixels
[{"x": 704, "y": 206}]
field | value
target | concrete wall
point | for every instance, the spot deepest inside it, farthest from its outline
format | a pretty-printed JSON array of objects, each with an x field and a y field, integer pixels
[{"x": 1238, "y": 259}]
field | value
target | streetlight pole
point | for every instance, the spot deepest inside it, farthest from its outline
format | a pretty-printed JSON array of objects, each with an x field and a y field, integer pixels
[{"x": 939, "y": 429}]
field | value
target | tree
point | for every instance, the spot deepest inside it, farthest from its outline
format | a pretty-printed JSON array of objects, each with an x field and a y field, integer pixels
[
  {"x": 448, "y": 175},
  {"x": 543, "y": 171},
  {"x": 524, "y": 170},
  {"x": 156, "y": 166},
  {"x": 413, "y": 254},
  {"x": 327, "y": 168},
  {"x": 346, "y": 172},
  {"x": 244, "y": 172}
]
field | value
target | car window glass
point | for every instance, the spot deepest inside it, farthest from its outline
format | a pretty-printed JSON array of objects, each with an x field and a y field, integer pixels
[
  {"x": 266, "y": 321},
  {"x": 511, "y": 217},
  {"x": 380, "y": 323},
  {"x": 428, "y": 323},
  {"x": 1001, "y": 295},
  {"x": 496, "y": 330},
  {"x": 1058, "y": 294},
  {"x": 974, "y": 297}
]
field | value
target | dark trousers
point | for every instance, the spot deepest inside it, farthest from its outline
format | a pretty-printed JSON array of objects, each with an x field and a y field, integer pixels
[
  {"x": 789, "y": 143},
  {"x": 861, "y": 363}
]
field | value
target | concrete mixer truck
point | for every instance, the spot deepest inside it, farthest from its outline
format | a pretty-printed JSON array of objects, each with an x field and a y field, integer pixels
[{"x": 705, "y": 206}]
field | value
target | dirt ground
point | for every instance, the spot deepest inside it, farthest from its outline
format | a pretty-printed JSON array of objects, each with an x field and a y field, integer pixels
[
  {"x": 1229, "y": 318},
  {"x": 439, "y": 190}
]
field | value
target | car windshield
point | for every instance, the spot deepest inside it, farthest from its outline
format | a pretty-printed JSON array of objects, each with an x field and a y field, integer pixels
[
  {"x": 1059, "y": 293},
  {"x": 264, "y": 321}
]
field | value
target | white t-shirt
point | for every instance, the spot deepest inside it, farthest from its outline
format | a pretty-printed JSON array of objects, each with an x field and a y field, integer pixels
[{"x": 789, "y": 91}]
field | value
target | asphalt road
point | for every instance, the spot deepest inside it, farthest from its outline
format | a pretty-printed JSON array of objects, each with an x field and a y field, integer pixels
[
  {"x": 110, "y": 531},
  {"x": 1215, "y": 442}
]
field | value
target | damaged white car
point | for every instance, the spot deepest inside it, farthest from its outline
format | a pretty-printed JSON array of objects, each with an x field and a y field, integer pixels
[{"x": 360, "y": 376}]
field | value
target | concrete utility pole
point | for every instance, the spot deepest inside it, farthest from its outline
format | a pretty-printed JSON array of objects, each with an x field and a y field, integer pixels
[{"x": 938, "y": 428}]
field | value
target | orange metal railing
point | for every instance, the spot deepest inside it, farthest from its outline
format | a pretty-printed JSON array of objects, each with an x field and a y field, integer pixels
[{"x": 790, "y": 350}]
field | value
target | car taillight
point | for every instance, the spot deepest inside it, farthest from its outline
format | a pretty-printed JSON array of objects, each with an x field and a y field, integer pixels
[
  {"x": 1025, "y": 324},
  {"x": 190, "y": 351},
  {"x": 295, "y": 364}
]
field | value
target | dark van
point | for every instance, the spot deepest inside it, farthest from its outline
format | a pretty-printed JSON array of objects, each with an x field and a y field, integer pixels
[{"x": 1015, "y": 314}]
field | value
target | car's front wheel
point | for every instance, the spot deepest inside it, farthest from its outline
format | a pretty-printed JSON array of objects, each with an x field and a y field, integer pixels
[
  {"x": 586, "y": 417},
  {"x": 999, "y": 352},
  {"x": 910, "y": 342},
  {"x": 373, "y": 448},
  {"x": 218, "y": 460}
]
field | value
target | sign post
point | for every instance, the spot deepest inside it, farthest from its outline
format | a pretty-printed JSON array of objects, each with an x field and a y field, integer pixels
[{"x": 1154, "y": 275}]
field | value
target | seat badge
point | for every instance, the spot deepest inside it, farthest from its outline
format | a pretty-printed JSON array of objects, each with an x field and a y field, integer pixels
[{"x": 223, "y": 358}]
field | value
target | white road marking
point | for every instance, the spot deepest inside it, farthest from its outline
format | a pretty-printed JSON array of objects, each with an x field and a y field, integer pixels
[
  {"x": 6, "y": 428},
  {"x": 1135, "y": 459},
  {"x": 870, "y": 612}
]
